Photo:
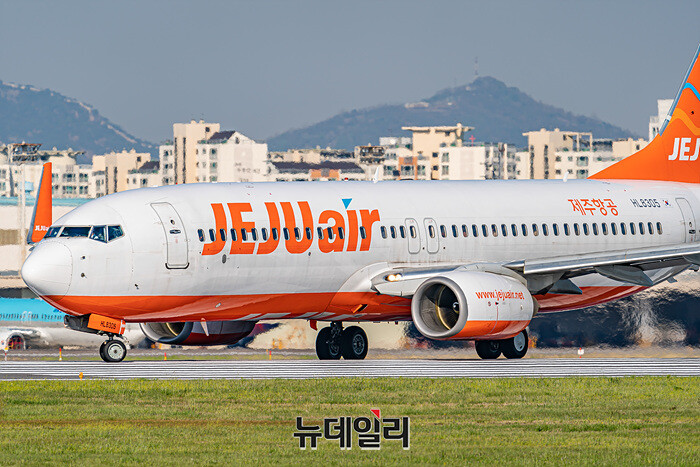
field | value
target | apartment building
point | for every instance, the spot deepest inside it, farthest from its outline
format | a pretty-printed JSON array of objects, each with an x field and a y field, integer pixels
[
  {"x": 113, "y": 170},
  {"x": 230, "y": 156},
  {"x": 186, "y": 136},
  {"x": 427, "y": 141}
]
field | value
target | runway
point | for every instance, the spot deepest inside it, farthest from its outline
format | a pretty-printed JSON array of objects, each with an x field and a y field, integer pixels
[{"x": 302, "y": 369}]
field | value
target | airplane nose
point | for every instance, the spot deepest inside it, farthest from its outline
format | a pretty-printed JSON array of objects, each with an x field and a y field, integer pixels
[{"x": 48, "y": 269}]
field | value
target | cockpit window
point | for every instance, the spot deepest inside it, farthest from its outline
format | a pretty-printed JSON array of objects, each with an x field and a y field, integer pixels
[
  {"x": 114, "y": 231},
  {"x": 52, "y": 232},
  {"x": 99, "y": 233},
  {"x": 75, "y": 231}
]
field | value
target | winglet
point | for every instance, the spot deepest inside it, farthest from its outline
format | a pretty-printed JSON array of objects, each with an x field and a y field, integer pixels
[{"x": 43, "y": 215}]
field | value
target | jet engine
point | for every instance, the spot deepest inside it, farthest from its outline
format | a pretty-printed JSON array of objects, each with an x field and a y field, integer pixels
[
  {"x": 198, "y": 333},
  {"x": 472, "y": 305}
]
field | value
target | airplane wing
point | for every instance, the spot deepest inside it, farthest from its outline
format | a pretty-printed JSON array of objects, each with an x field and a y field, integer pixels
[{"x": 553, "y": 274}]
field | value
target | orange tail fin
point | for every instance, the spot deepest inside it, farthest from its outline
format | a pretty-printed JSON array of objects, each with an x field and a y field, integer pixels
[
  {"x": 43, "y": 209},
  {"x": 673, "y": 154}
]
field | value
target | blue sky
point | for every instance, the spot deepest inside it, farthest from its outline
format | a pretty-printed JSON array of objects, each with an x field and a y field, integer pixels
[{"x": 262, "y": 67}]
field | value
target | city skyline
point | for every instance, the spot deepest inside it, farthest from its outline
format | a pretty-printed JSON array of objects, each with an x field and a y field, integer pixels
[{"x": 265, "y": 68}]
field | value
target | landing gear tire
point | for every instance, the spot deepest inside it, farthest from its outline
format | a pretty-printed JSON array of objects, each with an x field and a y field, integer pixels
[
  {"x": 488, "y": 350},
  {"x": 515, "y": 347},
  {"x": 113, "y": 351},
  {"x": 353, "y": 343},
  {"x": 328, "y": 345}
]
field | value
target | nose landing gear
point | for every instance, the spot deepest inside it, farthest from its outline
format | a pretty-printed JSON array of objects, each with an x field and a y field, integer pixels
[{"x": 334, "y": 342}]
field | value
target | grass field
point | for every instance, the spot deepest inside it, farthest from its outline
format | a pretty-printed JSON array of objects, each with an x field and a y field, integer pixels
[{"x": 453, "y": 421}]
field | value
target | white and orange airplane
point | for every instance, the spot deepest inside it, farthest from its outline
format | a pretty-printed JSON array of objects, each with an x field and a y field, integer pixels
[{"x": 472, "y": 260}]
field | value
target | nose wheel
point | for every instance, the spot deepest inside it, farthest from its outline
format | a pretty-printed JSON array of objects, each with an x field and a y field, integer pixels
[
  {"x": 334, "y": 342},
  {"x": 113, "y": 350}
]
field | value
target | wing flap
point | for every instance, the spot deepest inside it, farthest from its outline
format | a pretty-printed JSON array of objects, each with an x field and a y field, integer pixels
[{"x": 687, "y": 252}]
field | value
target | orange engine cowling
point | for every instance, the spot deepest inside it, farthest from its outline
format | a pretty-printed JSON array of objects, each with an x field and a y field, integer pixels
[
  {"x": 472, "y": 305},
  {"x": 194, "y": 333}
]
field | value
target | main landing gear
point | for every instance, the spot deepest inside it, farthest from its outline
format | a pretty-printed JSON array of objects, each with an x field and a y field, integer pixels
[
  {"x": 334, "y": 342},
  {"x": 113, "y": 350},
  {"x": 515, "y": 347}
]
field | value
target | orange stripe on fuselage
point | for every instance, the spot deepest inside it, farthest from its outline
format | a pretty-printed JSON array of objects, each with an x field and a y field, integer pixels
[{"x": 227, "y": 307}]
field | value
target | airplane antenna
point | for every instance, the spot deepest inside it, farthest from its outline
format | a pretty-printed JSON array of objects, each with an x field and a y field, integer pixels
[
  {"x": 375, "y": 179},
  {"x": 566, "y": 176}
]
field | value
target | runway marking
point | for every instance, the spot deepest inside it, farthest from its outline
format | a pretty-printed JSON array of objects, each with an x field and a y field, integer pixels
[{"x": 304, "y": 369}]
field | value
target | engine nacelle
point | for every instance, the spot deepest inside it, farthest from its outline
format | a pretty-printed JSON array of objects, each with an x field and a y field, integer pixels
[
  {"x": 193, "y": 333},
  {"x": 472, "y": 305}
]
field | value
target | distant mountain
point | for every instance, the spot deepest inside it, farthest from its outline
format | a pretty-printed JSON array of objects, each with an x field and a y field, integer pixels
[
  {"x": 47, "y": 117},
  {"x": 496, "y": 111}
]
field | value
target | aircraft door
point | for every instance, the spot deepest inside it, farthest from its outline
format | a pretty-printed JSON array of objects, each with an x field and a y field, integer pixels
[
  {"x": 688, "y": 219},
  {"x": 431, "y": 236},
  {"x": 175, "y": 236},
  {"x": 413, "y": 236}
]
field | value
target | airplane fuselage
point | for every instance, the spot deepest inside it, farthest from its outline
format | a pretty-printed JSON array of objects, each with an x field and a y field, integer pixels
[{"x": 183, "y": 255}]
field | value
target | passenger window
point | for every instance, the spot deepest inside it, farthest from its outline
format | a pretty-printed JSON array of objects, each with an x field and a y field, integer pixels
[
  {"x": 431, "y": 232},
  {"x": 275, "y": 233},
  {"x": 504, "y": 230},
  {"x": 244, "y": 235},
  {"x": 659, "y": 230},
  {"x": 623, "y": 228},
  {"x": 402, "y": 231},
  {"x": 613, "y": 228},
  {"x": 475, "y": 230},
  {"x": 585, "y": 229},
  {"x": 254, "y": 234},
  {"x": 309, "y": 233},
  {"x": 98, "y": 233},
  {"x": 114, "y": 231},
  {"x": 535, "y": 232},
  {"x": 545, "y": 230},
  {"x": 212, "y": 236},
  {"x": 650, "y": 226},
  {"x": 484, "y": 230},
  {"x": 632, "y": 229},
  {"x": 363, "y": 233},
  {"x": 222, "y": 234},
  {"x": 577, "y": 231},
  {"x": 454, "y": 231},
  {"x": 514, "y": 229},
  {"x": 604, "y": 227},
  {"x": 567, "y": 232},
  {"x": 263, "y": 231},
  {"x": 595, "y": 228},
  {"x": 392, "y": 230},
  {"x": 200, "y": 234},
  {"x": 285, "y": 232},
  {"x": 443, "y": 231},
  {"x": 523, "y": 227},
  {"x": 465, "y": 230},
  {"x": 340, "y": 233},
  {"x": 234, "y": 237},
  {"x": 494, "y": 230},
  {"x": 412, "y": 229},
  {"x": 75, "y": 231},
  {"x": 382, "y": 230},
  {"x": 297, "y": 233},
  {"x": 330, "y": 233},
  {"x": 52, "y": 232},
  {"x": 641, "y": 228},
  {"x": 555, "y": 229},
  {"x": 319, "y": 231}
]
